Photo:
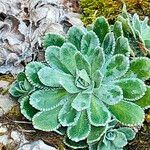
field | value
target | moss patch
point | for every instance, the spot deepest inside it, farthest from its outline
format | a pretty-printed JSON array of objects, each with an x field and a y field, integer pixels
[{"x": 110, "y": 9}]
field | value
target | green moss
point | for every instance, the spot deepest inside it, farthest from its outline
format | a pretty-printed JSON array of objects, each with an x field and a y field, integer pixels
[{"x": 111, "y": 8}]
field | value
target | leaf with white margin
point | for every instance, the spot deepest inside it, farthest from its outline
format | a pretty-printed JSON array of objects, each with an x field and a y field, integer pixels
[
  {"x": 51, "y": 77},
  {"x": 82, "y": 63},
  {"x": 109, "y": 44},
  {"x": 53, "y": 40},
  {"x": 74, "y": 36},
  {"x": 14, "y": 90},
  {"x": 120, "y": 140},
  {"x": 96, "y": 134},
  {"x": 26, "y": 109},
  {"x": 144, "y": 102},
  {"x": 116, "y": 67},
  {"x": 52, "y": 57},
  {"x": 117, "y": 29},
  {"x": 81, "y": 130},
  {"x": 55, "y": 78},
  {"x": 97, "y": 59},
  {"x": 67, "y": 52},
  {"x": 136, "y": 23},
  {"x": 97, "y": 78},
  {"x": 82, "y": 80},
  {"x": 68, "y": 116},
  {"x": 127, "y": 113},
  {"x": 45, "y": 100},
  {"x": 101, "y": 28},
  {"x": 128, "y": 132},
  {"x": 75, "y": 145},
  {"x": 82, "y": 101},
  {"x": 110, "y": 94},
  {"x": 89, "y": 42},
  {"x": 47, "y": 120},
  {"x": 31, "y": 72},
  {"x": 133, "y": 88},
  {"x": 69, "y": 85},
  {"x": 122, "y": 46},
  {"x": 97, "y": 113},
  {"x": 140, "y": 67}
]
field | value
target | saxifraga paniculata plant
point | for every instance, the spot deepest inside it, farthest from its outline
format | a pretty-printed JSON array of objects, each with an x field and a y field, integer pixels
[
  {"x": 86, "y": 81},
  {"x": 136, "y": 30}
]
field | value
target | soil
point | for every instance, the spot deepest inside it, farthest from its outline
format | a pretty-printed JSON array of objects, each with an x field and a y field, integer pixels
[{"x": 142, "y": 140}]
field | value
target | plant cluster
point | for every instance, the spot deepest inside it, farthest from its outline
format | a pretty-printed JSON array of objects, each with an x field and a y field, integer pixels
[
  {"x": 136, "y": 30},
  {"x": 87, "y": 89}
]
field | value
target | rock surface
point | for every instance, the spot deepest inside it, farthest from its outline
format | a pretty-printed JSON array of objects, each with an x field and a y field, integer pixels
[{"x": 17, "y": 137}]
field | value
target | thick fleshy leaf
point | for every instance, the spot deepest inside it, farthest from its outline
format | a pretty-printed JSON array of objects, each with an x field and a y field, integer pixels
[
  {"x": 128, "y": 132},
  {"x": 82, "y": 79},
  {"x": 116, "y": 67},
  {"x": 69, "y": 85},
  {"x": 136, "y": 23},
  {"x": 61, "y": 130},
  {"x": 117, "y": 29},
  {"x": 21, "y": 87},
  {"x": 97, "y": 113},
  {"x": 126, "y": 25},
  {"x": 31, "y": 72},
  {"x": 53, "y": 40},
  {"x": 101, "y": 28},
  {"x": 97, "y": 59},
  {"x": 83, "y": 75},
  {"x": 95, "y": 134},
  {"x": 147, "y": 43},
  {"x": 89, "y": 42},
  {"x": 67, "y": 57},
  {"x": 133, "y": 88},
  {"x": 109, "y": 94},
  {"x": 122, "y": 46},
  {"x": 97, "y": 78},
  {"x": 45, "y": 100},
  {"x": 128, "y": 113},
  {"x": 81, "y": 130},
  {"x": 82, "y": 63},
  {"x": 26, "y": 109},
  {"x": 52, "y": 56},
  {"x": 110, "y": 135},
  {"x": 53, "y": 77},
  {"x": 144, "y": 102},
  {"x": 140, "y": 67},
  {"x": 120, "y": 140},
  {"x": 75, "y": 35},
  {"x": 46, "y": 120},
  {"x": 21, "y": 76},
  {"x": 109, "y": 44},
  {"x": 27, "y": 86},
  {"x": 82, "y": 101},
  {"x": 75, "y": 145},
  {"x": 14, "y": 90},
  {"x": 68, "y": 116}
]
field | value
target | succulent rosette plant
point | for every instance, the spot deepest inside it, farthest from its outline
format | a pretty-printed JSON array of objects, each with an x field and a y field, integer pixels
[
  {"x": 86, "y": 80},
  {"x": 136, "y": 30},
  {"x": 112, "y": 137}
]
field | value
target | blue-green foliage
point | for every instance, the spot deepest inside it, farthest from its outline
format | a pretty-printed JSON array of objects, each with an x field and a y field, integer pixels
[{"x": 86, "y": 81}]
